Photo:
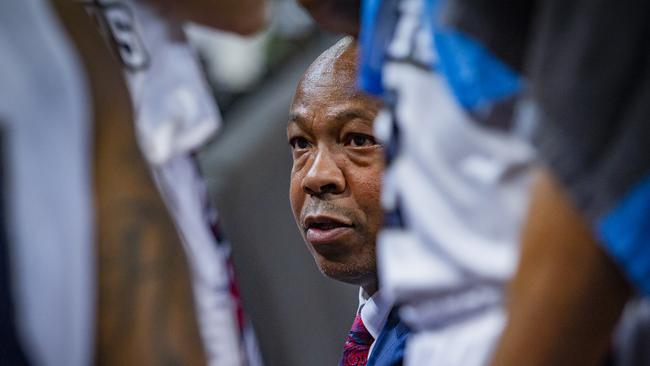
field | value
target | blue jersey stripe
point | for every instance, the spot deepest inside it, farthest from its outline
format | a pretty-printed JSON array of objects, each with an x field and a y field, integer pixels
[{"x": 625, "y": 233}]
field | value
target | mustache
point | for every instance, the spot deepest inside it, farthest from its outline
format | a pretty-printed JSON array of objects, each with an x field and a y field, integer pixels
[{"x": 319, "y": 207}]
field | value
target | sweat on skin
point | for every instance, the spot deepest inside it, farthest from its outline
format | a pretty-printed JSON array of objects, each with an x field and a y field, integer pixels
[{"x": 337, "y": 167}]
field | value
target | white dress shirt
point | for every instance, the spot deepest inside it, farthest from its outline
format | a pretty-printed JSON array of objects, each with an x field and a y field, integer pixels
[{"x": 374, "y": 312}]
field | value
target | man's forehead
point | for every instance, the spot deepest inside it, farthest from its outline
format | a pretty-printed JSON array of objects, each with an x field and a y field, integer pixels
[
  {"x": 315, "y": 91},
  {"x": 330, "y": 96},
  {"x": 336, "y": 78},
  {"x": 330, "y": 71},
  {"x": 326, "y": 93},
  {"x": 341, "y": 111},
  {"x": 336, "y": 113}
]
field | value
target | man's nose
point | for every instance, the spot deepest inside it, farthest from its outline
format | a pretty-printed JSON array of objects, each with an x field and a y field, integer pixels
[{"x": 324, "y": 176}]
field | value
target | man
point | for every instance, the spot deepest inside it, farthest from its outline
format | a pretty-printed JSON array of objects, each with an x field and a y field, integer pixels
[
  {"x": 335, "y": 194},
  {"x": 548, "y": 293},
  {"x": 454, "y": 193},
  {"x": 175, "y": 116}
]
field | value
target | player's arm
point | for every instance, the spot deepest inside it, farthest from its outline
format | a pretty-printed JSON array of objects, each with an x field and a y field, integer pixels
[
  {"x": 567, "y": 294},
  {"x": 244, "y": 17},
  {"x": 339, "y": 16},
  {"x": 145, "y": 311}
]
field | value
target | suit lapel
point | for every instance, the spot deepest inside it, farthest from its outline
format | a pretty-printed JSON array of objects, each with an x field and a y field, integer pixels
[{"x": 389, "y": 346}]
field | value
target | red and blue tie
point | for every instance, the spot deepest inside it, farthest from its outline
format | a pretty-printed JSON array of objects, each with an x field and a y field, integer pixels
[{"x": 357, "y": 345}]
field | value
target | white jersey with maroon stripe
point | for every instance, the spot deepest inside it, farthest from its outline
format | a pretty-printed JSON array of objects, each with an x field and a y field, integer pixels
[{"x": 175, "y": 115}]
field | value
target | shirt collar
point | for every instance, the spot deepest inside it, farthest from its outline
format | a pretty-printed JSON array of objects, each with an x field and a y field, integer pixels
[{"x": 374, "y": 311}]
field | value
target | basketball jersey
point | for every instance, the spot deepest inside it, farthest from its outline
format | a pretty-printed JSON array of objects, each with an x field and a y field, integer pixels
[
  {"x": 175, "y": 115},
  {"x": 454, "y": 192},
  {"x": 588, "y": 100}
]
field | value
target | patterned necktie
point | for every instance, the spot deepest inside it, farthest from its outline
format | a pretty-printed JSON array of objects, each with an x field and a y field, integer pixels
[{"x": 357, "y": 345}]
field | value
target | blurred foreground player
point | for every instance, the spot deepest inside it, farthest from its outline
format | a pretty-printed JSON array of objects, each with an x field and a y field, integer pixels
[
  {"x": 335, "y": 189},
  {"x": 455, "y": 193},
  {"x": 71, "y": 148},
  {"x": 175, "y": 115},
  {"x": 47, "y": 244},
  {"x": 587, "y": 236}
]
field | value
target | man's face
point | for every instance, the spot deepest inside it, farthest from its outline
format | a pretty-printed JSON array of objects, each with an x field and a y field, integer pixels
[{"x": 335, "y": 180}]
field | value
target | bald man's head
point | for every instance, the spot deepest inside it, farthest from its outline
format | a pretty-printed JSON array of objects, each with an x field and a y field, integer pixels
[
  {"x": 337, "y": 65},
  {"x": 337, "y": 166}
]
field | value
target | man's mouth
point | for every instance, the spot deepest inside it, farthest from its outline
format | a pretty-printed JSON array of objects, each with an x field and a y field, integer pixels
[{"x": 325, "y": 229}]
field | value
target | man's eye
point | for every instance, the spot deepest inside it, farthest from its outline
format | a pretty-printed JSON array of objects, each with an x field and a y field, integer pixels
[
  {"x": 299, "y": 143},
  {"x": 360, "y": 140}
]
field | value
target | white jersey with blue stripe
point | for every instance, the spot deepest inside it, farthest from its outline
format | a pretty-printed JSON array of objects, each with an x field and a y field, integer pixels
[{"x": 454, "y": 192}]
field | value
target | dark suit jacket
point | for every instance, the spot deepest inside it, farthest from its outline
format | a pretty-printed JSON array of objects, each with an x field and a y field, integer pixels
[{"x": 389, "y": 346}]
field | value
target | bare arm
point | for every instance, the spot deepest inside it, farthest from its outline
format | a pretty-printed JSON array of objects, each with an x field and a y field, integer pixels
[
  {"x": 567, "y": 294},
  {"x": 145, "y": 309},
  {"x": 339, "y": 16},
  {"x": 240, "y": 16}
]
